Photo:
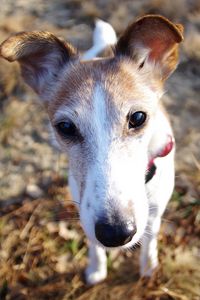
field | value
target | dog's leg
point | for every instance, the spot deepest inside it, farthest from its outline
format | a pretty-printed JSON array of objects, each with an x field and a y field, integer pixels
[
  {"x": 159, "y": 192},
  {"x": 149, "y": 251},
  {"x": 97, "y": 268}
]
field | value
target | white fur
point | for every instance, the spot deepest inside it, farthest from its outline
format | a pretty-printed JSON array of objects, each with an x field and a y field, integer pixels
[
  {"x": 111, "y": 184},
  {"x": 97, "y": 268},
  {"x": 118, "y": 185},
  {"x": 113, "y": 172},
  {"x": 74, "y": 189}
]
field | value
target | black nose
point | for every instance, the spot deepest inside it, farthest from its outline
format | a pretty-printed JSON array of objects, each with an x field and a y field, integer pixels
[{"x": 114, "y": 235}]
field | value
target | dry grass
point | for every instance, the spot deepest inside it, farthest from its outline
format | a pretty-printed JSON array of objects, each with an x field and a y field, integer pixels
[{"x": 43, "y": 254}]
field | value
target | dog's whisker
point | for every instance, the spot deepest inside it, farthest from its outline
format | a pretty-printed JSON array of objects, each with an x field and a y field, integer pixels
[
  {"x": 167, "y": 221},
  {"x": 132, "y": 248},
  {"x": 68, "y": 201},
  {"x": 58, "y": 209},
  {"x": 66, "y": 219},
  {"x": 148, "y": 234}
]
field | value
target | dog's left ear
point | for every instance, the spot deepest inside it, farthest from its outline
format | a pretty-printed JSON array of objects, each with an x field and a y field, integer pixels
[
  {"x": 42, "y": 57},
  {"x": 152, "y": 39}
]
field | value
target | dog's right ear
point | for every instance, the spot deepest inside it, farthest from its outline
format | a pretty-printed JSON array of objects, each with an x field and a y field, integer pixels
[
  {"x": 41, "y": 55},
  {"x": 152, "y": 40}
]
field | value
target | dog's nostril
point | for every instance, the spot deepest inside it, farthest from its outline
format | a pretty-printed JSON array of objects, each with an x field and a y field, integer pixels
[{"x": 114, "y": 235}]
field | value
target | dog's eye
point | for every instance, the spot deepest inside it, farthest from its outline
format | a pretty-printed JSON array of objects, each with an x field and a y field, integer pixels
[
  {"x": 66, "y": 129},
  {"x": 136, "y": 119}
]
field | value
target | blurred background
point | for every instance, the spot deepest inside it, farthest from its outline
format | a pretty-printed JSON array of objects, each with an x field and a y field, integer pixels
[{"x": 42, "y": 246}]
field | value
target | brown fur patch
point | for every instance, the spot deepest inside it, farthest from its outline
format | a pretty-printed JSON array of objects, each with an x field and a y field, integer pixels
[
  {"x": 24, "y": 44},
  {"x": 118, "y": 78},
  {"x": 156, "y": 33},
  {"x": 122, "y": 83}
]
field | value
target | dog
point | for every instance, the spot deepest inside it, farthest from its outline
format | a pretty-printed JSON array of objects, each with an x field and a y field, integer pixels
[{"x": 106, "y": 114}]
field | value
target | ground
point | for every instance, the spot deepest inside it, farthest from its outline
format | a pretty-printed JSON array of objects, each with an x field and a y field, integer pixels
[{"x": 43, "y": 249}]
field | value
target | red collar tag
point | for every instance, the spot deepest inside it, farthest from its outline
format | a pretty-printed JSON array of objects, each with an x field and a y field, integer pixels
[{"x": 164, "y": 152}]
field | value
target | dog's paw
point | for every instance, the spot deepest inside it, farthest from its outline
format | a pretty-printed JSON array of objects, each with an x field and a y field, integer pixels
[{"x": 94, "y": 276}]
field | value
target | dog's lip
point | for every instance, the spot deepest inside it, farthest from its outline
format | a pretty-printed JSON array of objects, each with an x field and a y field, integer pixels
[{"x": 134, "y": 242}]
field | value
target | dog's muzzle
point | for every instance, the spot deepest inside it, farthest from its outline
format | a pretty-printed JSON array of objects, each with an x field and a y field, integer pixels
[{"x": 114, "y": 235}]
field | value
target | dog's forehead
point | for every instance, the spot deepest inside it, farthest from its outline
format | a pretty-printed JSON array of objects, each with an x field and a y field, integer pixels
[{"x": 119, "y": 80}]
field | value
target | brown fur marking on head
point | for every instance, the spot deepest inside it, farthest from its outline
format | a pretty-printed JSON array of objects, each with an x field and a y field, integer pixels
[{"x": 121, "y": 83}]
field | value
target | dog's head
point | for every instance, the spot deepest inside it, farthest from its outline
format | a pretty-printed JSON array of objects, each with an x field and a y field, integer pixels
[{"x": 104, "y": 113}]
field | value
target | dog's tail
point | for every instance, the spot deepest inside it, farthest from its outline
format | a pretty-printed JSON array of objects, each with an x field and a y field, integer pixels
[{"x": 104, "y": 36}]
